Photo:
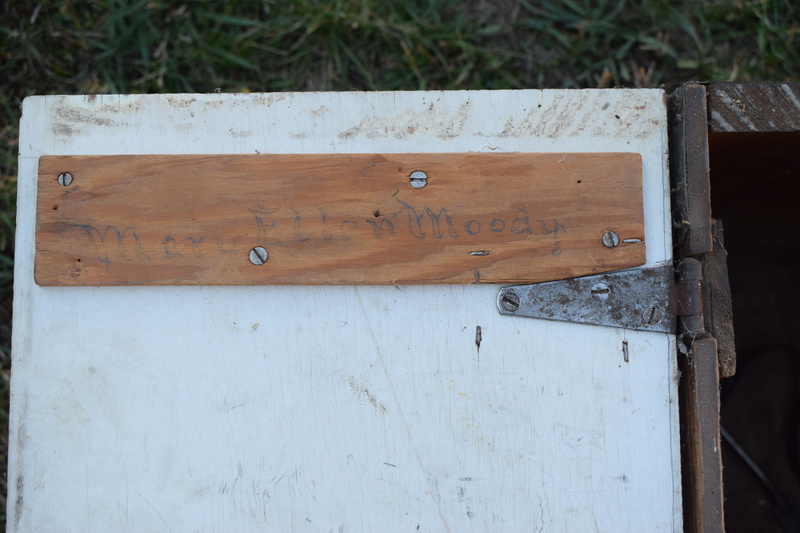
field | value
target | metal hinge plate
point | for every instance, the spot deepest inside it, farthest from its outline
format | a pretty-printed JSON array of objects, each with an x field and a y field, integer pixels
[{"x": 642, "y": 299}]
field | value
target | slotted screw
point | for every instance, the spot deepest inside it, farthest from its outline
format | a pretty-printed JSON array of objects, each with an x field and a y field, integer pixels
[
  {"x": 600, "y": 292},
  {"x": 653, "y": 316},
  {"x": 418, "y": 179},
  {"x": 258, "y": 255},
  {"x": 510, "y": 301},
  {"x": 610, "y": 239},
  {"x": 64, "y": 179}
]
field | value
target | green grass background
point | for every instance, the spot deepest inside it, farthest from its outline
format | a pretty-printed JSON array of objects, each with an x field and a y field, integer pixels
[{"x": 124, "y": 46}]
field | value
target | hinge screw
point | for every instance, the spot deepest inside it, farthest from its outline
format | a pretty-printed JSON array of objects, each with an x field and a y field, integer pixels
[
  {"x": 64, "y": 179},
  {"x": 610, "y": 239},
  {"x": 510, "y": 302},
  {"x": 600, "y": 292},
  {"x": 418, "y": 179},
  {"x": 652, "y": 316},
  {"x": 258, "y": 255}
]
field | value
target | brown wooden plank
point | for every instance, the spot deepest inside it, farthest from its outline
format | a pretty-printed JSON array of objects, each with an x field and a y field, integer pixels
[
  {"x": 702, "y": 452},
  {"x": 335, "y": 219},
  {"x": 717, "y": 304},
  {"x": 753, "y": 107},
  {"x": 690, "y": 168}
]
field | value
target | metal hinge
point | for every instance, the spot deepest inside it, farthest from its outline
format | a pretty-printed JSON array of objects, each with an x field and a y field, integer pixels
[
  {"x": 691, "y": 320},
  {"x": 643, "y": 299}
]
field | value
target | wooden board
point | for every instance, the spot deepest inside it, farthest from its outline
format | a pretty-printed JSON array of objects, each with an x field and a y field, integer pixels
[
  {"x": 336, "y": 219},
  {"x": 762, "y": 107}
]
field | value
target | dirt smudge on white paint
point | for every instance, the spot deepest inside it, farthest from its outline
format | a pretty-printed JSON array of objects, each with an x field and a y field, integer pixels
[{"x": 363, "y": 392}]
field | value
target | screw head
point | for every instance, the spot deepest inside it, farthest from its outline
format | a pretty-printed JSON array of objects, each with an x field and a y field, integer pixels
[
  {"x": 653, "y": 315},
  {"x": 610, "y": 239},
  {"x": 258, "y": 255},
  {"x": 600, "y": 292},
  {"x": 64, "y": 179},
  {"x": 510, "y": 301},
  {"x": 418, "y": 179}
]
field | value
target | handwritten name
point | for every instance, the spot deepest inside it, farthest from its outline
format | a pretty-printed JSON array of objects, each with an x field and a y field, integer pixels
[{"x": 279, "y": 226}]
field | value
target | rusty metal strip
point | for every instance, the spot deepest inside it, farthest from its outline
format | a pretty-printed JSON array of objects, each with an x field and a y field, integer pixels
[{"x": 642, "y": 300}]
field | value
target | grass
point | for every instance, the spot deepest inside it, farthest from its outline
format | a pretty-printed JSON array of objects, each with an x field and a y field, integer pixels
[{"x": 121, "y": 46}]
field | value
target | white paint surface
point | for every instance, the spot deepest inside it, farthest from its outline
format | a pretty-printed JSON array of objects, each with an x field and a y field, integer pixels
[{"x": 336, "y": 408}]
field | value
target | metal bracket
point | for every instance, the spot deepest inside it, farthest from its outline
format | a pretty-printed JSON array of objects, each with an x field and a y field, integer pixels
[{"x": 641, "y": 299}]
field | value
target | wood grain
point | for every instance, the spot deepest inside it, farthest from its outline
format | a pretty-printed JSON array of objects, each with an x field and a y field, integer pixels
[
  {"x": 336, "y": 219},
  {"x": 735, "y": 107},
  {"x": 702, "y": 459},
  {"x": 690, "y": 169}
]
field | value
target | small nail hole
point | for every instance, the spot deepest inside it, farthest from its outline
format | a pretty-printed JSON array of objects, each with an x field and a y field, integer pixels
[
  {"x": 55, "y": 208},
  {"x": 376, "y": 214}
]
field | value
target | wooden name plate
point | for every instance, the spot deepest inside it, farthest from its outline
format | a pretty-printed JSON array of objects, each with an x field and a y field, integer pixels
[{"x": 336, "y": 218}]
